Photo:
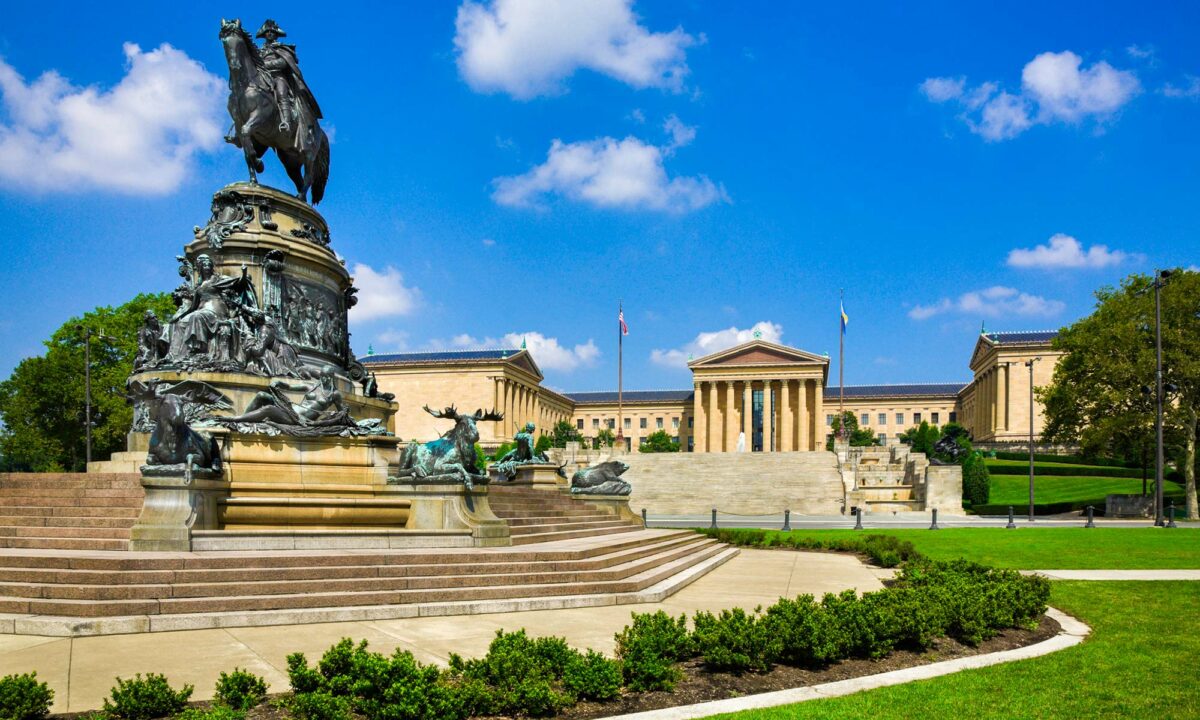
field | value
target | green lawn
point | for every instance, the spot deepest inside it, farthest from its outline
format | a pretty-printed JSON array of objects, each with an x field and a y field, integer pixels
[
  {"x": 993, "y": 462},
  {"x": 1034, "y": 548},
  {"x": 1139, "y": 662},
  {"x": 1014, "y": 490}
]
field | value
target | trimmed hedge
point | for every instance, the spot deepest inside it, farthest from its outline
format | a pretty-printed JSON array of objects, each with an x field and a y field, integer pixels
[
  {"x": 883, "y": 550},
  {"x": 1076, "y": 459},
  {"x": 24, "y": 697},
  {"x": 1051, "y": 471}
]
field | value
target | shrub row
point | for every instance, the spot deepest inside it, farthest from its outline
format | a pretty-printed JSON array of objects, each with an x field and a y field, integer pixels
[
  {"x": 1065, "y": 471},
  {"x": 883, "y": 550},
  {"x": 963, "y": 600},
  {"x": 1073, "y": 459}
]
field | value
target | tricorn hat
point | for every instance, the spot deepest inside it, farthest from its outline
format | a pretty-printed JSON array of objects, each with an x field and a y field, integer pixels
[{"x": 270, "y": 28}]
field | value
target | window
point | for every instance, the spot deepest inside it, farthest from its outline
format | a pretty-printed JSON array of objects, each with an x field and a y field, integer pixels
[
  {"x": 642, "y": 440},
  {"x": 675, "y": 439},
  {"x": 916, "y": 418},
  {"x": 865, "y": 420},
  {"x": 628, "y": 423},
  {"x": 882, "y": 439},
  {"x": 642, "y": 423},
  {"x": 611, "y": 423},
  {"x": 658, "y": 423},
  {"x": 579, "y": 424},
  {"x": 953, "y": 416},
  {"x": 691, "y": 444},
  {"x": 900, "y": 419},
  {"x": 674, "y": 423},
  {"x": 829, "y": 420},
  {"x": 883, "y": 418},
  {"x": 935, "y": 418}
]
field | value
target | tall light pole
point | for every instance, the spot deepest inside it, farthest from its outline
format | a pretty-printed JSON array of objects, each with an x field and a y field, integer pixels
[
  {"x": 87, "y": 385},
  {"x": 1029, "y": 364},
  {"x": 1160, "y": 279}
]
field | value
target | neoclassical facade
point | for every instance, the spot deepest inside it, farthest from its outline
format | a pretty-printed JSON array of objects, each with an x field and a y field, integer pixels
[{"x": 757, "y": 396}]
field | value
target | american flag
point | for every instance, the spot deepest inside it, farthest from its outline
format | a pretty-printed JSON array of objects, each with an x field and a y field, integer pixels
[{"x": 621, "y": 320}]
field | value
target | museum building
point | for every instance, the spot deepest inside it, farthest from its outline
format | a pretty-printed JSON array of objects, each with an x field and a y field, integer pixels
[{"x": 771, "y": 397}]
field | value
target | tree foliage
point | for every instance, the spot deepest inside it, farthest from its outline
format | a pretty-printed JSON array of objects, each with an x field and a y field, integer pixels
[
  {"x": 562, "y": 433},
  {"x": 659, "y": 442},
  {"x": 1095, "y": 398},
  {"x": 859, "y": 437},
  {"x": 543, "y": 444},
  {"x": 42, "y": 402},
  {"x": 605, "y": 438},
  {"x": 921, "y": 438}
]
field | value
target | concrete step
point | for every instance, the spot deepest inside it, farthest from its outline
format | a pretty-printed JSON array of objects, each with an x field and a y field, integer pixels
[
  {"x": 33, "y": 520},
  {"x": 27, "y": 531},
  {"x": 569, "y": 534},
  {"x": 80, "y": 511},
  {"x": 518, "y": 520},
  {"x": 61, "y": 501},
  {"x": 607, "y": 522},
  {"x": 82, "y": 482},
  {"x": 57, "y": 543}
]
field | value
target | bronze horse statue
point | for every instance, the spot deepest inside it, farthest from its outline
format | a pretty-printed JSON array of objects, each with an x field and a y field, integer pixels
[{"x": 259, "y": 124}]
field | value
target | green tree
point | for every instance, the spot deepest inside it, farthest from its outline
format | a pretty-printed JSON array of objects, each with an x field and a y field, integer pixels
[
  {"x": 542, "y": 445},
  {"x": 858, "y": 436},
  {"x": 605, "y": 437},
  {"x": 1094, "y": 398},
  {"x": 42, "y": 402},
  {"x": 659, "y": 442},
  {"x": 562, "y": 433},
  {"x": 921, "y": 438},
  {"x": 976, "y": 480}
]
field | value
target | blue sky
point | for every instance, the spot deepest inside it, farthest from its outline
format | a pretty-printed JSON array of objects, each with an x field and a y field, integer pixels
[{"x": 506, "y": 170}]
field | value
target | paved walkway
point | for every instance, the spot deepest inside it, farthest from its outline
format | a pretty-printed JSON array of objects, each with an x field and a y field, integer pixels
[
  {"x": 1117, "y": 574},
  {"x": 893, "y": 521},
  {"x": 81, "y": 670}
]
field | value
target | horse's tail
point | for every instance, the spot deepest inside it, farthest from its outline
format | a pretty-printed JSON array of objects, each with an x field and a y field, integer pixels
[{"x": 320, "y": 168}]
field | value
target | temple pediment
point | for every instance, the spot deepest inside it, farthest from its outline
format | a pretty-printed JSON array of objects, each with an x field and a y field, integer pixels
[
  {"x": 524, "y": 361},
  {"x": 758, "y": 352}
]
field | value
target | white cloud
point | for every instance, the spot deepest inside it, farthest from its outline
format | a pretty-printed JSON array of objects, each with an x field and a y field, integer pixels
[
  {"x": 1190, "y": 88},
  {"x": 680, "y": 134},
  {"x": 489, "y": 242},
  {"x": 1140, "y": 52},
  {"x": 392, "y": 340},
  {"x": 546, "y": 351},
  {"x": 710, "y": 342},
  {"x": 138, "y": 137},
  {"x": 995, "y": 301},
  {"x": 941, "y": 89},
  {"x": 1064, "y": 251},
  {"x": 382, "y": 294},
  {"x": 608, "y": 173},
  {"x": 1055, "y": 87},
  {"x": 528, "y": 48}
]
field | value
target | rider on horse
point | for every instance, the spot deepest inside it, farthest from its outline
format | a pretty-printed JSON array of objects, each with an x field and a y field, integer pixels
[{"x": 286, "y": 80}]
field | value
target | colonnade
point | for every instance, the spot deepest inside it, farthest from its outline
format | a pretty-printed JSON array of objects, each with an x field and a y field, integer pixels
[
  {"x": 519, "y": 403},
  {"x": 991, "y": 412},
  {"x": 792, "y": 412}
]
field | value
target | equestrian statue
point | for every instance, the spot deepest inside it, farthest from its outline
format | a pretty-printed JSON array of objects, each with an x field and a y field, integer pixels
[{"x": 272, "y": 107}]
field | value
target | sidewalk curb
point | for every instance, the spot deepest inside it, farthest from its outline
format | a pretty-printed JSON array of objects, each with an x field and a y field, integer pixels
[{"x": 1072, "y": 633}]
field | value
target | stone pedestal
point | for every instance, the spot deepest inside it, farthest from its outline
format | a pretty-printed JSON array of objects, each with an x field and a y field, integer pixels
[
  {"x": 617, "y": 505},
  {"x": 452, "y": 507},
  {"x": 942, "y": 489},
  {"x": 540, "y": 476},
  {"x": 174, "y": 506}
]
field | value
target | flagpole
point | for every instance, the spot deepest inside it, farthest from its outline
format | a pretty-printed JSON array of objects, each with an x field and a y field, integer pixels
[
  {"x": 842, "y": 366},
  {"x": 620, "y": 376}
]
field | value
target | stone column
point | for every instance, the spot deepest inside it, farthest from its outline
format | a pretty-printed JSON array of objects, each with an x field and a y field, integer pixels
[
  {"x": 502, "y": 425},
  {"x": 748, "y": 413},
  {"x": 498, "y": 403},
  {"x": 1004, "y": 419},
  {"x": 714, "y": 419},
  {"x": 785, "y": 415},
  {"x": 699, "y": 428},
  {"x": 730, "y": 419},
  {"x": 770, "y": 425},
  {"x": 818, "y": 416},
  {"x": 802, "y": 416}
]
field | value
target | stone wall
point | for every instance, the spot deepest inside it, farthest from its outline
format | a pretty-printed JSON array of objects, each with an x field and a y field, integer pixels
[{"x": 807, "y": 483}]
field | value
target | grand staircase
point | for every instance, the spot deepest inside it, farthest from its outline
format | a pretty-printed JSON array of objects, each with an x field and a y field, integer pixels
[
  {"x": 68, "y": 511},
  {"x": 566, "y": 553}
]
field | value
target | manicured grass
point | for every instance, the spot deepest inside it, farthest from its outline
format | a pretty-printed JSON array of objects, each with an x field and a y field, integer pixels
[
  {"x": 1080, "y": 491},
  {"x": 1034, "y": 548},
  {"x": 992, "y": 462},
  {"x": 1139, "y": 662}
]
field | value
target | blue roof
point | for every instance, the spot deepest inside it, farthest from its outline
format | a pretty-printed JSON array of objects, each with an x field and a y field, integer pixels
[
  {"x": 906, "y": 390},
  {"x": 631, "y": 396},
  {"x": 1023, "y": 336},
  {"x": 444, "y": 356}
]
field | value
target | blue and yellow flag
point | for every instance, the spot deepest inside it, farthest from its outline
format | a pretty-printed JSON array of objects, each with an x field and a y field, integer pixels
[{"x": 845, "y": 317}]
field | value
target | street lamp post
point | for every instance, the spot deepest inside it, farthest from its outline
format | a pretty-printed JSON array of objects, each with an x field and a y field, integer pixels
[
  {"x": 1029, "y": 364},
  {"x": 87, "y": 385},
  {"x": 1160, "y": 279}
]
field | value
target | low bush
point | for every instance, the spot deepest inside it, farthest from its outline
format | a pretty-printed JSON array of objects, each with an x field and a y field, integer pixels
[
  {"x": 649, "y": 647},
  {"x": 216, "y": 712},
  {"x": 1050, "y": 470},
  {"x": 591, "y": 676},
  {"x": 519, "y": 675},
  {"x": 319, "y": 705},
  {"x": 976, "y": 482},
  {"x": 240, "y": 689},
  {"x": 1072, "y": 459},
  {"x": 735, "y": 641},
  {"x": 883, "y": 550},
  {"x": 145, "y": 698},
  {"x": 23, "y": 697},
  {"x": 807, "y": 635}
]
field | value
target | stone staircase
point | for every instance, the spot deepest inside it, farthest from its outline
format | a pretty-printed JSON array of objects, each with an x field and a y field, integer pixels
[
  {"x": 536, "y": 515},
  {"x": 68, "y": 511}
]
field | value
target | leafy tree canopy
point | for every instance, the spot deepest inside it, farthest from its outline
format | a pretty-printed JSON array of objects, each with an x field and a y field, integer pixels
[
  {"x": 1095, "y": 398},
  {"x": 562, "y": 433},
  {"x": 42, "y": 402},
  {"x": 858, "y": 436},
  {"x": 605, "y": 438},
  {"x": 659, "y": 442}
]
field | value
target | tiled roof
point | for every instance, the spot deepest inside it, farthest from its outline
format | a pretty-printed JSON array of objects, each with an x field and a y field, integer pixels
[
  {"x": 438, "y": 357},
  {"x": 913, "y": 389},
  {"x": 631, "y": 396},
  {"x": 1023, "y": 336}
]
